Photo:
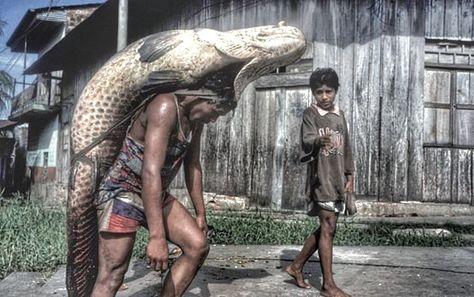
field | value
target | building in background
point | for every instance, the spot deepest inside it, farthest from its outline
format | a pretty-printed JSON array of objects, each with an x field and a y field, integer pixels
[
  {"x": 407, "y": 86},
  {"x": 38, "y": 106}
]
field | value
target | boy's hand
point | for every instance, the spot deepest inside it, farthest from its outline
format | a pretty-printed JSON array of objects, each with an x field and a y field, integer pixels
[{"x": 325, "y": 141}]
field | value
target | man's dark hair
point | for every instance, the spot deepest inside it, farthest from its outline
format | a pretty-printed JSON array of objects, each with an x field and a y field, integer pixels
[{"x": 324, "y": 76}]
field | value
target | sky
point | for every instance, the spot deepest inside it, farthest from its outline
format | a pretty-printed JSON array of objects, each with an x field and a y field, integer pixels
[{"x": 12, "y": 11}]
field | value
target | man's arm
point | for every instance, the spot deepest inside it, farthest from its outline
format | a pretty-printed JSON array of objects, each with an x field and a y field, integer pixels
[
  {"x": 161, "y": 118},
  {"x": 193, "y": 177}
]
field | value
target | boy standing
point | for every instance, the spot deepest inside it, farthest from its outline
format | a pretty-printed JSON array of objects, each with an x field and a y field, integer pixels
[{"x": 327, "y": 152}]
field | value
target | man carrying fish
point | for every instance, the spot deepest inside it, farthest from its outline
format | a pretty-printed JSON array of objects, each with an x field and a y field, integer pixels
[
  {"x": 166, "y": 132},
  {"x": 165, "y": 87}
]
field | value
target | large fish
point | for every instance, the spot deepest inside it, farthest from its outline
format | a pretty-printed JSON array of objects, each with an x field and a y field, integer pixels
[{"x": 162, "y": 62}]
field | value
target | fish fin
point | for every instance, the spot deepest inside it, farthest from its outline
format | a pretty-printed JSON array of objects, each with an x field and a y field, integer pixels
[
  {"x": 161, "y": 82},
  {"x": 157, "y": 45}
]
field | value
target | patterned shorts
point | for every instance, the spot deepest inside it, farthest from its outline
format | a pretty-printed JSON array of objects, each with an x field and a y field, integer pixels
[
  {"x": 335, "y": 206},
  {"x": 125, "y": 213}
]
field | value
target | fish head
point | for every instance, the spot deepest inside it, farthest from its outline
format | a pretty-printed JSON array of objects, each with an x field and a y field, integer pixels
[{"x": 257, "y": 51}]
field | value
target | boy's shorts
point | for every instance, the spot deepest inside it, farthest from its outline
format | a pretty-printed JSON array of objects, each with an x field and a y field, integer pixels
[
  {"x": 125, "y": 213},
  {"x": 335, "y": 206}
]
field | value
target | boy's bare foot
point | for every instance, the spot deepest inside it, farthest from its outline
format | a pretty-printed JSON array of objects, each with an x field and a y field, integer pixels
[
  {"x": 298, "y": 276},
  {"x": 333, "y": 292}
]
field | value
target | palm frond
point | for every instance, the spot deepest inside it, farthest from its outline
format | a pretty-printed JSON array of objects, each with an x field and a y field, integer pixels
[{"x": 6, "y": 81}]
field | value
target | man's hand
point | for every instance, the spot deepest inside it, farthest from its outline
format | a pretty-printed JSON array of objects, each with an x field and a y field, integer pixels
[
  {"x": 202, "y": 224},
  {"x": 157, "y": 254},
  {"x": 349, "y": 186}
]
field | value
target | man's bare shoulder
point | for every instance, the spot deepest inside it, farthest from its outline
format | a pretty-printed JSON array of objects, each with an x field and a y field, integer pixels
[
  {"x": 161, "y": 110},
  {"x": 163, "y": 105}
]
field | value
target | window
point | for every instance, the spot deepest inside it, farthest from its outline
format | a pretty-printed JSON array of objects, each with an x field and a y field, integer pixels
[{"x": 449, "y": 95}]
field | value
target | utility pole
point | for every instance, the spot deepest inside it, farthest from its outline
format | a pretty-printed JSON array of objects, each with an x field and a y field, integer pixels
[{"x": 122, "y": 24}]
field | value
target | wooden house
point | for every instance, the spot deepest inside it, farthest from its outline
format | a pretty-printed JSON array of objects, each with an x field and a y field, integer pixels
[{"x": 407, "y": 87}]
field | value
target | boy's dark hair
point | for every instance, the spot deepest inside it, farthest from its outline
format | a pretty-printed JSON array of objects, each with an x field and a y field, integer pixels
[{"x": 324, "y": 76}]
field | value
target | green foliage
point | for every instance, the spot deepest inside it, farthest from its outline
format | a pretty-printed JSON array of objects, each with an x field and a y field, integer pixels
[
  {"x": 6, "y": 80},
  {"x": 33, "y": 238},
  {"x": 6, "y": 86}
]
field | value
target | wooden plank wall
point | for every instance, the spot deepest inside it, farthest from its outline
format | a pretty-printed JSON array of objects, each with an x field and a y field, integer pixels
[
  {"x": 448, "y": 19},
  {"x": 448, "y": 172},
  {"x": 401, "y": 102},
  {"x": 377, "y": 49},
  {"x": 254, "y": 152},
  {"x": 448, "y": 175}
]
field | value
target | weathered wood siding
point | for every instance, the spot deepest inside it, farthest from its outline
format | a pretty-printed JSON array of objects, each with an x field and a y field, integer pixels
[
  {"x": 449, "y": 19},
  {"x": 377, "y": 47},
  {"x": 448, "y": 172},
  {"x": 448, "y": 175}
]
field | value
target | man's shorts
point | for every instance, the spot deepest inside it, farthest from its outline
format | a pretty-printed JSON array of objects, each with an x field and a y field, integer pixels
[
  {"x": 125, "y": 213},
  {"x": 335, "y": 206}
]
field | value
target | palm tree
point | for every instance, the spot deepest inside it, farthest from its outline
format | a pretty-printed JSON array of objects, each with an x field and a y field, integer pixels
[{"x": 6, "y": 87}]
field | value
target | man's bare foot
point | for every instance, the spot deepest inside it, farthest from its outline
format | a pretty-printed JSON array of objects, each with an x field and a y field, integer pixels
[
  {"x": 298, "y": 276},
  {"x": 333, "y": 292}
]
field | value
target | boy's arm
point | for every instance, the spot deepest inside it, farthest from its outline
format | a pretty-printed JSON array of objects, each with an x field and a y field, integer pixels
[
  {"x": 311, "y": 141},
  {"x": 193, "y": 177},
  {"x": 348, "y": 161}
]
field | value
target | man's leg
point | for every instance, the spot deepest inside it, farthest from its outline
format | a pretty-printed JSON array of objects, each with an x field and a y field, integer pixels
[
  {"x": 181, "y": 229},
  {"x": 328, "y": 220},
  {"x": 115, "y": 250},
  {"x": 295, "y": 269}
]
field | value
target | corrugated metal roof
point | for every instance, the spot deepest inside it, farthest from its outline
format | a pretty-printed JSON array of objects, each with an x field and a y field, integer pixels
[
  {"x": 99, "y": 29},
  {"x": 37, "y": 23},
  {"x": 6, "y": 124}
]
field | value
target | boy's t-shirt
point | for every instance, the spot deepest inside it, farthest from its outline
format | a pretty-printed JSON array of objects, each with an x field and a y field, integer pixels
[{"x": 327, "y": 167}]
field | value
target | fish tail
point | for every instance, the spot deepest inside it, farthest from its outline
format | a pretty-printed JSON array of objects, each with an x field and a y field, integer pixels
[
  {"x": 82, "y": 232},
  {"x": 81, "y": 270}
]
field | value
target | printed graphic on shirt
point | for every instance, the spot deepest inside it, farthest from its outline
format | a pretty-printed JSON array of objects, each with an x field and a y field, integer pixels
[{"x": 336, "y": 147}]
